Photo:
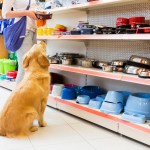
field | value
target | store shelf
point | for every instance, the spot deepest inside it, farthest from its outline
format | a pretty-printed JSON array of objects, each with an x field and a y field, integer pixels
[
  {"x": 97, "y": 37},
  {"x": 112, "y": 122},
  {"x": 99, "y": 73},
  {"x": 120, "y": 46},
  {"x": 93, "y": 5}
]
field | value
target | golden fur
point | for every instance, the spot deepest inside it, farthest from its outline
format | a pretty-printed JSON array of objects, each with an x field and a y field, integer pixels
[{"x": 28, "y": 100}]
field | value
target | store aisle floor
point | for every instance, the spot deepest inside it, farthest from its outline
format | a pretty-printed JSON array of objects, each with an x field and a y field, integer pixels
[{"x": 66, "y": 132}]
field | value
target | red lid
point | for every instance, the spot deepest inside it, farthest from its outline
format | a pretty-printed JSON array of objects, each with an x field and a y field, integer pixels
[
  {"x": 122, "y": 21},
  {"x": 134, "y": 20}
]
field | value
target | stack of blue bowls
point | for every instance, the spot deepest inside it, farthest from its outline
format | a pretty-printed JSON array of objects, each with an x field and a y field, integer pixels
[
  {"x": 113, "y": 103},
  {"x": 137, "y": 106},
  {"x": 96, "y": 102},
  {"x": 87, "y": 93},
  {"x": 91, "y": 91}
]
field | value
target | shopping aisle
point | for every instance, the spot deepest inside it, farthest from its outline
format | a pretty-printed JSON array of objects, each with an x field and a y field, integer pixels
[{"x": 65, "y": 132}]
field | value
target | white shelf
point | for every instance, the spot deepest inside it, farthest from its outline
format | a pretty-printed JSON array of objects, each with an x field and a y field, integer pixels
[
  {"x": 113, "y": 122},
  {"x": 99, "y": 73},
  {"x": 140, "y": 132},
  {"x": 97, "y": 37},
  {"x": 94, "y": 5}
]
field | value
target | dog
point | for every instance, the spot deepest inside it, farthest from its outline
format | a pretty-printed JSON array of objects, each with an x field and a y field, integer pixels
[{"x": 28, "y": 100}]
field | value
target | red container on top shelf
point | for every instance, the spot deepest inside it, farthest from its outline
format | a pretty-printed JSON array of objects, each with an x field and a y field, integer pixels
[
  {"x": 147, "y": 30},
  {"x": 122, "y": 21},
  {"x": 143, "y": 30},
  {"x": 135, "y": 20}
]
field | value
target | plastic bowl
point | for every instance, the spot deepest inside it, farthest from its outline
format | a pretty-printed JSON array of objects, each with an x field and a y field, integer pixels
[
  {"x": 91, "y": 91},
  {"x": 57, "y": 89},
  {"x": 114, "y": 97},
  {"x": 95, "y": 103},
  {"x": 111, "y": 108},
  {"x": 68, "y": 93},
  {"x": 138, "y": 103},
  {"x": 125, "y": 95},
  {"x": 77, "y": 89},
  {"x": 101, "y": 97},
  {"x": 135, "y": 118},
  {"x": 83, "y": 99}
]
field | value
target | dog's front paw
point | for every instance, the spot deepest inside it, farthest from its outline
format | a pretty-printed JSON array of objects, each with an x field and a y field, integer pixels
[
  {"x": 43, "y": 124},
  {"x": 33, "y": 128}
]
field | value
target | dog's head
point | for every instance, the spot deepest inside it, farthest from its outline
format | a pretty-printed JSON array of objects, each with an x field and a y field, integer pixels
[{"x": 36, "y": 55}]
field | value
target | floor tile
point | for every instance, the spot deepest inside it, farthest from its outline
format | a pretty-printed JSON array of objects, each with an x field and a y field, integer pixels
[
  {"x": 91, "y": 131},
  {"x": 23, "y": 149},
  {"x": 116, "y": 143},
  {"x": 3, "y": 97},
  {"x": 54, "y": 135},
  {"x": 52, "y": 118},
  {"x": 67, "y": 146},
  {"x": 14, "y": 143},
  {"x": 70, "y": 119}
]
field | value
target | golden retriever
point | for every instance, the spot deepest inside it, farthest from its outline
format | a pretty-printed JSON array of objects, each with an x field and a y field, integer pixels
[{"x": 28, "y": 100}]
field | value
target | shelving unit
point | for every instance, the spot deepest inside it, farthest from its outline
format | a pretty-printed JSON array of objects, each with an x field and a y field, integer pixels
[
  {"x": 112, "y": 122},
  {"x": 93, "y": 5},
  {"x": 100, "y": 73},
  {"x": 102, "y": 45},
  {"x": 97, "y": 37}
]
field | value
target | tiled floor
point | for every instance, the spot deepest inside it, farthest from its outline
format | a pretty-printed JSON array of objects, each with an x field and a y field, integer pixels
[{"x": 65, "y": 132}]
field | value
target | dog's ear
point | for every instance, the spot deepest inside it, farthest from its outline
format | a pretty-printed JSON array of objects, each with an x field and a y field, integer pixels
[
  {"x": 43, "y": 61},
  {"x": 26, "y": 61}
]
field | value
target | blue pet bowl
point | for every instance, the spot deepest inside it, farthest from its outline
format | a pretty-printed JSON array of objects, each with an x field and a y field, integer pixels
[
  {"x": 95, "y": 103},
  {"x": 114, "y": 97},
  {"x": 135, "y": 118},
  {"x": 68, "y": 94},
  {"x": 100, "y": 97},
  {"x": 83, "y": 99},
  {"x": 91, "y": 91},
  {"x": 138, "y": 103},
  {"x": 125, "y": 95},
  {"x": 77, "y": 89},
  {"x": 111, "y": 108}
]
